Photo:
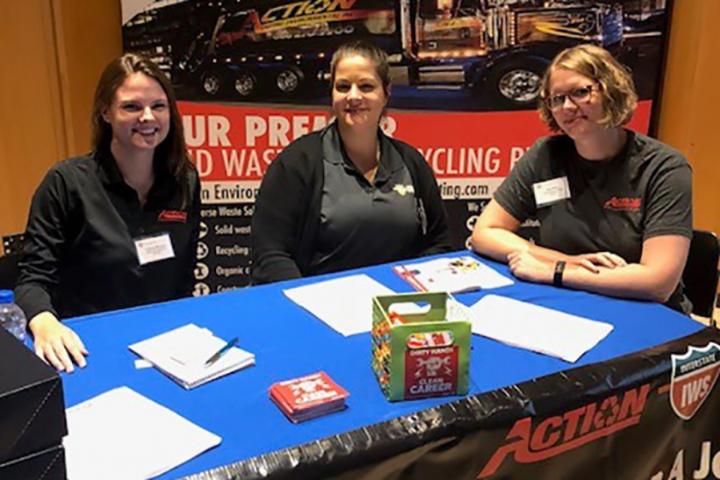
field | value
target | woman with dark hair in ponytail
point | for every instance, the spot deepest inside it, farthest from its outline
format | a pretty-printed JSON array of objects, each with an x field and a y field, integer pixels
[
  {"x": 117, "y": 227},
  {"x": 347, "y": 196}
]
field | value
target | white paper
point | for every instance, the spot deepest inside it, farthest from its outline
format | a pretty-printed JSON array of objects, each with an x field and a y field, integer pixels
[
  {"x": 121, "y": 434},
  {"x": 344, "y": 304},
  {"x": 181, "y": 353},
  {"x": 452, "y": 275},
  {"x": 536, "y": 328}
]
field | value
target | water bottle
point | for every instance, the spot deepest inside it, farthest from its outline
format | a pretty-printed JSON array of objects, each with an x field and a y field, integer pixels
[{"x": 12, "y": 317}]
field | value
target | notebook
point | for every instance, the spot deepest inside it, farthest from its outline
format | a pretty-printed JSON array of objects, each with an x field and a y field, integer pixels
[{"x": 182, "y": 354}]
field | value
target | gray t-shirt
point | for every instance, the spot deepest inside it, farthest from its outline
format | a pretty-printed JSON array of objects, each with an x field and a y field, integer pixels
[{"x": 614, "y": 205}]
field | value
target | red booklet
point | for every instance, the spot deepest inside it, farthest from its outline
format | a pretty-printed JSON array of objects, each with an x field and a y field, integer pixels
[{"x": 308, "y": 397}]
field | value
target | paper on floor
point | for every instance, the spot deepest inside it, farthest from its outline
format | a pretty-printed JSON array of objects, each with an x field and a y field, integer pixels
[
  {"x": 121, "y": 434},
  {"x": 536, "y": 328},
  {"x": 344, "y": 304}
]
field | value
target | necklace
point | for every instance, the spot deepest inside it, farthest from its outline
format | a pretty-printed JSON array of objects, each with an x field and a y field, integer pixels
[{"x": 370, "y": 174}]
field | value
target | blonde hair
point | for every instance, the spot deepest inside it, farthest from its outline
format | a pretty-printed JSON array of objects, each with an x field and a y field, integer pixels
[{"x": 619, "y": 98}]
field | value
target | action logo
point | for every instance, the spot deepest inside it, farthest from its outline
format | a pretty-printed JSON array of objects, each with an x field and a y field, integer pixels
[
  {"x": 624, "y": 204},
  {"x": 172, "y": 216},
  {"x": 534, "y": 440},
  {"x": 693, "y": 377}
]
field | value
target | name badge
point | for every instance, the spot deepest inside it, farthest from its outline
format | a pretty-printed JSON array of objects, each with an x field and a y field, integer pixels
[
  {"x": 551, "y": 191},
  {"x": 154, "y": 248}
]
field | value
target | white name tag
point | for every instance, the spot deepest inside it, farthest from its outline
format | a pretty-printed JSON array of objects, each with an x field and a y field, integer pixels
[
  {"x": 551, "y": 191},
  {"x": 155, "y": 248}
]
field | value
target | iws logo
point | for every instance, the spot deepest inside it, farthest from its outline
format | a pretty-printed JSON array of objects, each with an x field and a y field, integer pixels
[{"x": 693, "y": 377}]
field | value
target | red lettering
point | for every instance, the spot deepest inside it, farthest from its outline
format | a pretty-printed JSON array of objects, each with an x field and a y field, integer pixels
[
  {"x": 634, "y": 402},
  {"x": 572, "y": 418},
  {"x": 520, "y": 431},
  {"x": 528, "y": 446},
  {"x": 610, "y": 405},
  {"x": 589, "y": 415},
  {"x": 627, "y": 204},
  {"x": 606, "y": 416},
  {"x": 540, "y": 440}
]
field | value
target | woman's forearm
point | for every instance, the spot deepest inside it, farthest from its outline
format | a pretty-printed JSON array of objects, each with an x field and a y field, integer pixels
[
  {"x": 631, "y": 281},
  {"x": 496, "y": 243}
]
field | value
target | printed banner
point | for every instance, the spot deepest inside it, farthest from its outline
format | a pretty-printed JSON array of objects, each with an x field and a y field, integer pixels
[{"x": 465, "y": 83}]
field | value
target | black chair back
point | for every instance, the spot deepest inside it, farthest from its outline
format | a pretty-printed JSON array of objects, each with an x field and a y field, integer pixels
[
  {"x": 10, "y": 253},
  {"x": 701, "y": 272},
  {"x": 8, "y": 271}
]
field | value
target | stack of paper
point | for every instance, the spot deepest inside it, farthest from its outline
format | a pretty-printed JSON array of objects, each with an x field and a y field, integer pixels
[
  {"x": 451, "y": 274},
  {"x": 121, "y": 434},
  {"x": 345, "y": 304},
  {"x": 182, "y": 354},
  {"x": 536, "y": 328}
]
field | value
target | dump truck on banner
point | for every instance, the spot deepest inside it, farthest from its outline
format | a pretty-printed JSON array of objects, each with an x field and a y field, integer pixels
[{"x": 273, "y": 49}]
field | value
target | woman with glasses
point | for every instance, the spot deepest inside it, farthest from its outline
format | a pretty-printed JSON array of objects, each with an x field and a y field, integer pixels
[{"x": 614, "y": 206}]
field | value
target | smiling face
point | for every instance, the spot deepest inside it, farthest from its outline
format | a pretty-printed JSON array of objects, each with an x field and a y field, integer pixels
[
  {"x": 358, "y": 95},
  {"x": 579, "y": 114},
  {"x": 139, "y": 114}
]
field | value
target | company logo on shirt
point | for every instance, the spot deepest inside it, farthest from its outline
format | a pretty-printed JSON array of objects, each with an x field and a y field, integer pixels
[
  {"x": 172, "y": 216},
  {"x": 624, "y": 204},
  {"x": 403, "y": 190}
]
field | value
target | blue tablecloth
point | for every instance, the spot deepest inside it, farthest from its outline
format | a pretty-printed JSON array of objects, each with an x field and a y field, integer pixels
[{"x": 289, "y": 342}]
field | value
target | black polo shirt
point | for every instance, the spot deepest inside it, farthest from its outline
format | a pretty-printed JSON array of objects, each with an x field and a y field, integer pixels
[
  {"x": 362, "y": 222},
  {"x": 80, "y": 254}
]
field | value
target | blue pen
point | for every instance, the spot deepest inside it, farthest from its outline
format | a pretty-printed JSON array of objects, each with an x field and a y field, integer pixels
[{"x": 216, "y": 356}]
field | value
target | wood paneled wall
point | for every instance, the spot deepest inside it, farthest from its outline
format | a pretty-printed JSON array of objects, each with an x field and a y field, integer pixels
[
  {"x": 690, "y": 105},
  {"x": 53, "y": 50},
  {"x": 32, "y": 133}
]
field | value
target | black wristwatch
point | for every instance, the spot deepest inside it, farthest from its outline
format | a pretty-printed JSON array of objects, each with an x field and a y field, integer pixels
[{"x": 558, "y": 276}]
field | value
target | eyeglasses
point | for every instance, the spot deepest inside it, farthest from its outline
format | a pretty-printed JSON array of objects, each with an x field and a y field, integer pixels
[{"x": 577, "y": 96}]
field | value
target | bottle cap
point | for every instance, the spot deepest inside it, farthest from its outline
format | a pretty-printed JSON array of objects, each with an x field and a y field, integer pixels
[{"x": 7, "y": 296}]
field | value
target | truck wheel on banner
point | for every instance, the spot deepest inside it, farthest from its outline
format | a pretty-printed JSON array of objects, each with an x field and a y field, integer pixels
[
  {"x": 289, "y": 80},
  {"x": 245, "y": 83},
  {"x": 212, "y": 82},
  {"x": 515, "y": 82}
]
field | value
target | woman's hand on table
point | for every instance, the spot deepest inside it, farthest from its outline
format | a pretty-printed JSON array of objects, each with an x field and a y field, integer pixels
[
  {"x": 594, "y": 261},
  {"x": 55, "y": 343},
  {"x": 533, "y": 268},
  {"x": 526, "y": 266}
]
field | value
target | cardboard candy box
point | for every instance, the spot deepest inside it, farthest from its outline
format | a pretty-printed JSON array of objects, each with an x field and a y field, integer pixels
[{"x": 420, "y": 352}]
